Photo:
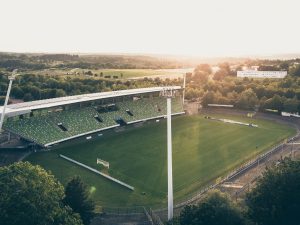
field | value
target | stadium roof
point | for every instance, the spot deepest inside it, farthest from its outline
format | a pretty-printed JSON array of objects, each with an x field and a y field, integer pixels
[{"x": 24, "y": 107}]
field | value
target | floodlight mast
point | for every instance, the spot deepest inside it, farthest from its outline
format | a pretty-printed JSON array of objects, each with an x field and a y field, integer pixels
[
  {"x": 11, "y": 79},
  {"x": 169, "y": 93},
  {"x": 183, "y": 93}
]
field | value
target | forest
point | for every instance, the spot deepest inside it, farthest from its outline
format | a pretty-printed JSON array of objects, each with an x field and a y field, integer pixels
[
  {"x": 25, "y": 62},
  {"x": 205, "y": 85},
  {"x": 223, "y": 87}
]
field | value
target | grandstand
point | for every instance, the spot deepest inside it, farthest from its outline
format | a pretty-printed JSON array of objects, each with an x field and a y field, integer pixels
[{"x": 51, "y": 121}]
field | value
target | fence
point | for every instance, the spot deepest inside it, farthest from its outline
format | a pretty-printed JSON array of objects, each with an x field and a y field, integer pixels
[
  {"x": 123, "y": 211},
  {"x": 118, "y": 216},
  {"x": 155, "y": 218}
]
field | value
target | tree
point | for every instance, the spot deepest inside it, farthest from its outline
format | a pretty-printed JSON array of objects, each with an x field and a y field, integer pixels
[
  {"x": 188, "y": 77},
  {"x": 77, "y": 197},
  {"x": 296, "y": 70},
  {"x": 225, "y": 67},
  {"x": 52, "y": 83},
  {"x": 284, "y": 66},
  {"x": 31, "y": 196},
  {"x": 247, "y": 99},
  {"x": 89, "y": 73},
  {"x": 268, "y": 68},
  {"x": 35, "y": 92},
  {"x": 193, "y": 93},
  {"x": 220, "y": 74},
  {"x": 17, "y": 92},
  {"x": 203, "y": 68},
  {"x": 215, "y": 209},
  {"x": 60, "y": 93},
  {"x": 200, "y": 77},
  {"x": 275, "y": 103},
  {"x": 262, "y": 102},
  {"x": 291, "y": 105},
  {"x": 276, "y": 198},
  {"x": 27, "y": 97},
  {"x": 208, "y": 98},
  {"x": 232, "y": 97},
  {"x": 2, "y": 100}
]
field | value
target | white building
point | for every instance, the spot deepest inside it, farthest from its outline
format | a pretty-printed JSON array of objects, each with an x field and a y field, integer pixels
[{"x": 261, "y": 74}]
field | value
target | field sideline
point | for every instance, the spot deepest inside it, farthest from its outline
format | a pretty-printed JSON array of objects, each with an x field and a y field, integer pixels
[{"x": 203, "y": 150}]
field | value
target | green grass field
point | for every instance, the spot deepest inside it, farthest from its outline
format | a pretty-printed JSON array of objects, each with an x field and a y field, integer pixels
[
  {"x": 131, "y": 73},
  {"x": 203, "y": 150},
  {"x": 126, "y": 73}
]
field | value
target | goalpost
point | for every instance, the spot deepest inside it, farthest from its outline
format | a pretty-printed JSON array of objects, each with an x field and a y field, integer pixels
[
  {"x": 251, "y": 114},
  {"x": 103, "y": 162}
]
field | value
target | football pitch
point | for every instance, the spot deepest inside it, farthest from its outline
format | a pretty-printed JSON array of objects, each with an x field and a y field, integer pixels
[{"x": 203, "y": 151}]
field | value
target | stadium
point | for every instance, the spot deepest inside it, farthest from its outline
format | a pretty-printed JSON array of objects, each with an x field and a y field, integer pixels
[
  {"x": 51, "y": 121},
  {"x": 120, "y": 139}
]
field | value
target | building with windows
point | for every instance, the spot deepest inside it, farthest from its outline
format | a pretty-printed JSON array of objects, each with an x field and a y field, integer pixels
[{"x": 262, "y": 74}]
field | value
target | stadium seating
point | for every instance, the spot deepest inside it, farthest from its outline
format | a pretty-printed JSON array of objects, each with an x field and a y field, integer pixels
[
  {"x": 39, "y": 129},
  {"x": 140, "y": 109},
  {"x": 82, "y": 120},
  {"x": 44, "y": 129},
  {"x": 148, "y": 108}
]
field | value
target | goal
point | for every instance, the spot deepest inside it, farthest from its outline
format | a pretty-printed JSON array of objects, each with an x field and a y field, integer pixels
[{"x": 102, "y": 162}]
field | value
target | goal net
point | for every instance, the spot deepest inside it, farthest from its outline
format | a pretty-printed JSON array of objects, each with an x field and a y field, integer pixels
[{"x": 103, "y": 162}]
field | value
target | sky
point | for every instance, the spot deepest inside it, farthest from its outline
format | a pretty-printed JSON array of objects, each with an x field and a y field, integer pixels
[{"x": 204, "y": 28}]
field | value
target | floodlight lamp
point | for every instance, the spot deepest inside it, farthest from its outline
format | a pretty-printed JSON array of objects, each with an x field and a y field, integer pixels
[{"x": 13, "y": 75}]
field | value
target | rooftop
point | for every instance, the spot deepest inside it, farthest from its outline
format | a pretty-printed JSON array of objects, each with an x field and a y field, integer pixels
[{"x": 24, "y": 107}]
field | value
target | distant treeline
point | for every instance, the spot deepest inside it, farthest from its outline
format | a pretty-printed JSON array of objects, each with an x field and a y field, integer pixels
[
  {"x": 43, "y": 61},
  {"x": 30, "y": 87}
]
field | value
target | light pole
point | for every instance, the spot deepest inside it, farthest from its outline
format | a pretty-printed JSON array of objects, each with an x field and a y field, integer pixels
[
  {"x": 183, "y": 93},
  {"x": 11, "y": 78},
  {"x": 169, "y": 94}
]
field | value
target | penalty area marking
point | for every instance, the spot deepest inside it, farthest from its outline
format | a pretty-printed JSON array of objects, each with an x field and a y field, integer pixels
[
  {"x": 232, "y": 185},
  {"x": 231, "y": 121},
  {"x": 96, "y": 171}
]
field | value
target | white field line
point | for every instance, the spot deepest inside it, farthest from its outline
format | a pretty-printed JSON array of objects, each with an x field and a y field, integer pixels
[
  {"x": 232, "y": 186},
  {"x": 233, "y": 122},
  {"x": 79, "y": 135},
  {"x": 106, "y": 128},
  {"x": 156, "y": 117},
  {"x": 96, "y": 171}
]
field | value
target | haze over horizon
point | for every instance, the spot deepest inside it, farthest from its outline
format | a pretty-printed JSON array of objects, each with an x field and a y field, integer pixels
[{"x": 185, "y": 28}]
